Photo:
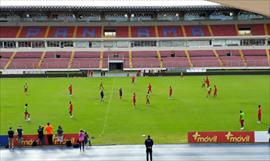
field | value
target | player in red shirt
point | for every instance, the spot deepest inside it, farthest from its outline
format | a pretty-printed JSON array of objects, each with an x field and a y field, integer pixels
[
  {"x": 70, "y": 109},
  {"x": 134, "y": 99},
  {"x": 70, "y": 89},
  {"x": 215, "y": 91},
  {"x": 149, "y": 88},
  {"x": 207, "y": 82},
  {"x": 259, "y": 114},
  {"x": 133, "y": 79},
  {"x": 170, "y": 92}
]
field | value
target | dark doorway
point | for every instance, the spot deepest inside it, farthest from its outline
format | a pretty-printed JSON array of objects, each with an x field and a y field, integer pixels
[{"x": 115, "y": 66}]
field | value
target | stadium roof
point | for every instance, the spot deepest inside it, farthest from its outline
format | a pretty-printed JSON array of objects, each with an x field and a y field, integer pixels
[
  {"x": 110, "y": 5},
  {"x": 104, "y": 3},
  {"x": 257, "y": 6}
]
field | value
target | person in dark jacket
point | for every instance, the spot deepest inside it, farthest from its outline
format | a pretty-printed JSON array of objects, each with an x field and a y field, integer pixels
[
  {"x": 10, "y": 138},
  {"x": 40, "y": 135},
  {"x": 149, "y": 144},
  {"x": 20, "y": 135}
]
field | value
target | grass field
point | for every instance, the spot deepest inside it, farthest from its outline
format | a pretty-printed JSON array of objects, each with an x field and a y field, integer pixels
[{"x": 115, "y": 121}]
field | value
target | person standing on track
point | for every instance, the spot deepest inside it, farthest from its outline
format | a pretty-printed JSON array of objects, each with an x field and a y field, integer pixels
[
  {"x": 49, "y": 133},
  {"x": 81, "y": 139},
  {"x": 19, "y": 135},
  {"x": 148, "y": 145},
  {"x": 10, "y": 138},
  {"x": 40, "y": 135}
]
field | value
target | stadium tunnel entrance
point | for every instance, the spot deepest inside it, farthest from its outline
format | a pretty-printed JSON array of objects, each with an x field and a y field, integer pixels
[{"x": 115, "y": 66}]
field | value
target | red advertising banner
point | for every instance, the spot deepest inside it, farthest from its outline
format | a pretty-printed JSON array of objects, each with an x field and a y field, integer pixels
[
  {"x": 221, "y": 137},
  {"x": 29, "y": 139}
]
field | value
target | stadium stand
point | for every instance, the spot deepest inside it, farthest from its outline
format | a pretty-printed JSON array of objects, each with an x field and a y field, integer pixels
[{"x": 123, "y": 38}]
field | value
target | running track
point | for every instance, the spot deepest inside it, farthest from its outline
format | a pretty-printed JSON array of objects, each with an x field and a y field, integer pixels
[{"x": 182, "y": 152}]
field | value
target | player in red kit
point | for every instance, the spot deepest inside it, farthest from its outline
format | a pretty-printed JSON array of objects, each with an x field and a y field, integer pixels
[
  {"x": 70, "y": 109},
  {"x": 170, "y": 92},
  {"x": 259, "y": 114},
  {"x": 133, "y": 79},
  {"x": 70, "y": 89},
  {"x": 215, "y": 91},
  {"x": 149, "y": 88},
  {"x": 207, "y": 82},
  {"x": 134, "y": 99}
]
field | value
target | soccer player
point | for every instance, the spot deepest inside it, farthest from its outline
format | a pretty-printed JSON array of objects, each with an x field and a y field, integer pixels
[
  {"x": 134, "y": 99},
  {"x": 26, "y": 113},
  {"x": 120, "y": 93},
  {"x": 215, "y": 91},
  {"x": 101, "y": 87},
  {"x": 70, "y": 109},
  {"x": 242, "y": 120},
  {"x": 203, "y": 83},
  {"x": 209, "y": 89},
  {"x": 148, "y": 98},
  {"x": 101, "y": 95},
  {"x": 207, "y": 82},
  {"x": 149, "y": 88},
  {"x": 133, "y": 79},
  {"x": 70, "y": 89},
  {"x": 259, "y": 114},
  {"x": 170, "y": 92},
  {"x": 25, "y": 88}
]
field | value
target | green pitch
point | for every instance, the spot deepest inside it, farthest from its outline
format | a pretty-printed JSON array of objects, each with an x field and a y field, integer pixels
[{"x": 115, "y": 121}]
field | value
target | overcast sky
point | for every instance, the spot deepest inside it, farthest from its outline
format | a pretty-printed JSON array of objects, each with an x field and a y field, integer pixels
[{"x": 104, "y": 2}]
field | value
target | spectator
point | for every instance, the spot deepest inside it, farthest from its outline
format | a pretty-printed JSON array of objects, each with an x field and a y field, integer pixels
[
  {"x": 10, "y": 138},
  {"x": 87, "y": 139},
  {"x": 149, "y": 144},
  {"x": 19, "y": 134},
  {"x": 40, "y": 135},
  {"x": 60, "y": 136},
  {"x": 49, "y": 133},
  {"x": 81, "y": 140}
]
